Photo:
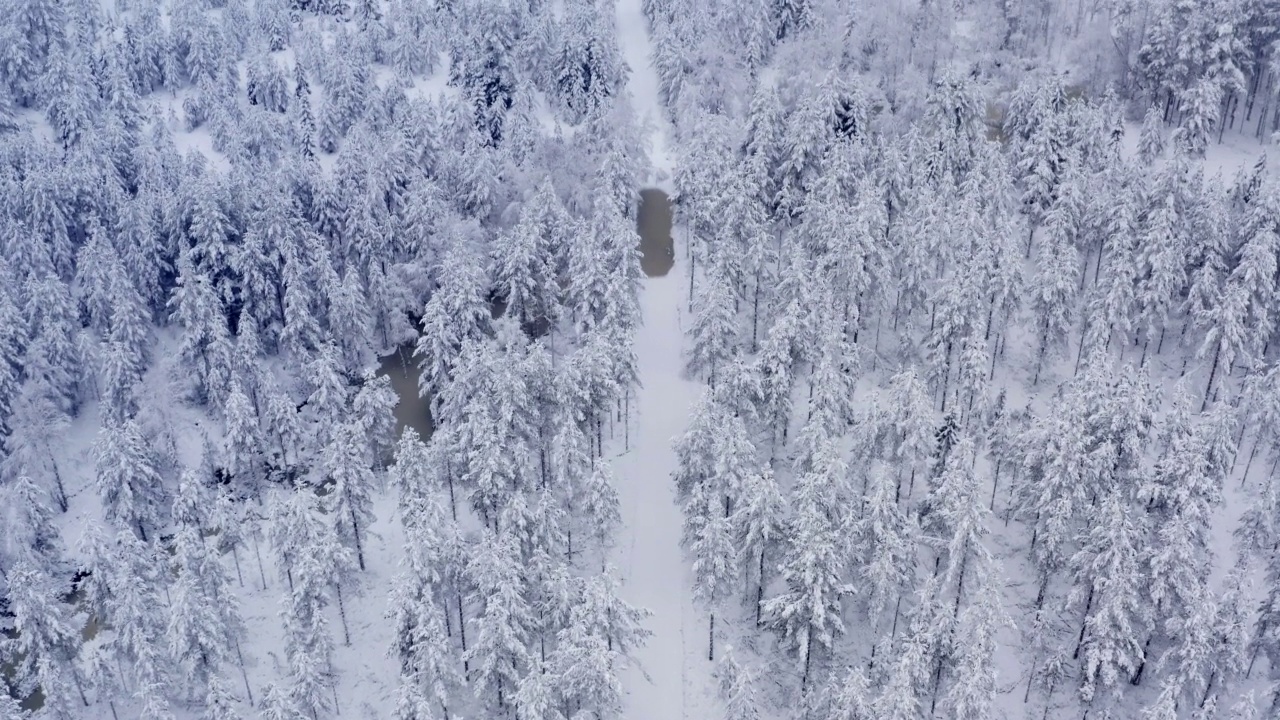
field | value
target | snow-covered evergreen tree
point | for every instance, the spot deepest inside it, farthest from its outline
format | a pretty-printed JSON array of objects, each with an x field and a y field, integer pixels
[{"x": 132, "y": 491}]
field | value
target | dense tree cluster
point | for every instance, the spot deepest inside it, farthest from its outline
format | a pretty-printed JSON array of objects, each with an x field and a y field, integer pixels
[
  {"x": 946, "y": 345},
  {"x": 228, "y": 211}
]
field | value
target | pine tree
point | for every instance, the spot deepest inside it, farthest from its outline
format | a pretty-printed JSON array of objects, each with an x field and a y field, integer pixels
[
  {"x": 900, "y": 699},
  {"x": 429, "y": 677},
  {"x": 1180, "y": 497},
  {"x": 277, "y": 704},
  {"x": 1055, "y": 283},
  {"x": 344, "y": 462},
  {"x": 585, "y": 670},
  {"x": 309, "y": 554},
  {"x": 30, "y": 448},
  {"x": 1107, "y": 580},
  {"x": 499, "y": 654},
  {"x": 350, "y": 321},
  {"x": 598, "y": 502},
  {"x": 759, "y": 525},
  {"x": 243, "y": 442},
  {"x": 122, "y": 588},
  {"x": 808, "y": 609},
  {"x": 372, "y": 408},
  {"x": 205, "y": 626},
  {"x": 29, "y": 531},
  {"x": 1151, "y": 142},
  {"x": 456, "y": 312},
  {"x": 1161, "y": 258},
  {"x": 47, "y": 643},
  {"x": 131, "y": 488},
  {"x": 972, "y": 692},
  {"x": 206, "y": 341},
  {"x": 52, "y": 358},
  {"x": 884, "y": 547},
  {"x": 219, "y": 703},
  {"x": 708, "y": 539},
  {"x": 526, "y": 261},
  {"x": 737, "y": 688}
]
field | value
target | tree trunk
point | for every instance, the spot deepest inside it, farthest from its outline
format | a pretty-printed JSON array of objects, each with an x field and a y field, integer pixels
[
  {"x": 994, "y": 484},
  {"x": 808, "y": 660},
  {"x": 261, "y": 571},
  {"x": 63, "y": 503},
  {"x": 711, "y": 638},
  {"x": 1208, "y": 688},
  {"x": 1213, "y": 371},
  {"x": 755, "y": 313},
  {"x": 1245, "y": 476},
  {"x": 1142, "y": 664},
  {"x": 760, "y": 588},
  {"x": 235, "y": 556},
  {"x": 1084, "y": 624},
  {"x": 355, "y": 529},
  {"x": 244, "y": 675},
  {"x": 342, "y": 613},
  {"x": 693, "y": 262},
  {"x": 1044, "y": 339},
  {"x": 75, "y": 675},
  {"x": 946, "y": 378},
  {"x": 462, "y": 632}
]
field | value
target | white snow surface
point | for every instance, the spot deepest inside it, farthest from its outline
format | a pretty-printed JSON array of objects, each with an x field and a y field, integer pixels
[
  {"x": 671, "y": 678},
  {"x": 642, "y": 83}
]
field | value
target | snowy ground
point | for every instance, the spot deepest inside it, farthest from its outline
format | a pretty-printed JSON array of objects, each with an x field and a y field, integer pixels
[{"x": 672, "y": 679}]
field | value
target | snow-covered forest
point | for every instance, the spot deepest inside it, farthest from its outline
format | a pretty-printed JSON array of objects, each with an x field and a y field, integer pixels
[{"x": 334, "y": 382}]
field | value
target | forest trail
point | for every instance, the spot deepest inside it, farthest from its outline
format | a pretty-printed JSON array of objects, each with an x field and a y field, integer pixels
[
  {"x": 670, "y": 680},
  {"x": 648, "y": 554}
]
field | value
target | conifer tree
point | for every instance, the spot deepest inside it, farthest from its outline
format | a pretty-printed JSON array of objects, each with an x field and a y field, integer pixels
[
  {"x": 31, "y": 446},
  {"x": 345, "y": 463},
  {"x": 122, "y": 586},
  {"x": 131, "y": 488},
  {"x": 313, "y": 560},
  {"x": 499, "y": 655},
  {"x": 708, "y": 538},
  {"x": 47, "y": 643},
  {"x": 1107, "y": 582},
  {"x": 205, "y": 625},
  {"x": 759, "y": 525},
  {"x": 808, "y": 609},
  {"x": 737, "y": 688}
]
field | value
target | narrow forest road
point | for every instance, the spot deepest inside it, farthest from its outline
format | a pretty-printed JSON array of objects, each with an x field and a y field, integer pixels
[
  {"x": 670, "y": 680},
  {"x": 648, "y": 555}
]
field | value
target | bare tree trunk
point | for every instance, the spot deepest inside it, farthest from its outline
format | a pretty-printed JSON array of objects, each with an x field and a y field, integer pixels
[
  {"x": 261, "y": 571},
  {"x": 462, "y": 632},
  {"x": 1213, "y": 371},
  {"x": 994, "y": 484},
  {"x": 755, "y": 313},
  {"x": 760, "y": 588},
  {"x": 1245, "y": 476},
  {"x": 244, "y": 675},
  {"x": 355, "y": 529},
  {"x": 235, "y": 556},
  {"x": 1084, "y": 624},
  {"x": 711, "y": 638},
  {"x": 342, "y": 613}
]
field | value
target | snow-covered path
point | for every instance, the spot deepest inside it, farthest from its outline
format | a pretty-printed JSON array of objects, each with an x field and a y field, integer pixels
[
  {"x": 649, "y": 555},
  {"x": 636, "y": 47},
  {"x": 671, "y": 680}
]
